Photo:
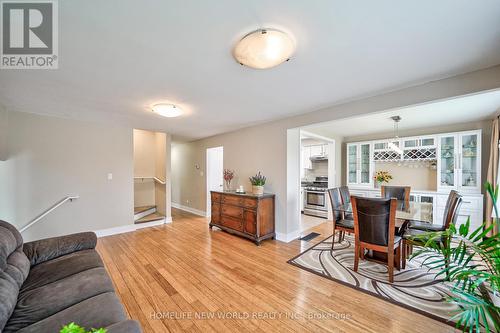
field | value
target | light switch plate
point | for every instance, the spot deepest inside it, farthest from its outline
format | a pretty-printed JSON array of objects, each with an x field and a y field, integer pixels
[{"x": 110, "y": 176}]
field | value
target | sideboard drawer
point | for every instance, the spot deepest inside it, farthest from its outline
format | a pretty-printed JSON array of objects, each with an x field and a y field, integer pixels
[
  {"x": 232, "y": 200},
  {"x": 250, "y": 222},
  {"x": 234, "y": 211},
  {"x": 250, "y": 203},
  {"x": 215, "y": 197},
  {"x": 232, "y": 223}
]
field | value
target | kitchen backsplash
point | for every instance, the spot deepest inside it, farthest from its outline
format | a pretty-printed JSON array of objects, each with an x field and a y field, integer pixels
[{"x": 319, "y": 168}]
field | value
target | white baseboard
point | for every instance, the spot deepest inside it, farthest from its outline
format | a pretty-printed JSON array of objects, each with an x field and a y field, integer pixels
[
  {"x": 144, "y": 213},
  {"x": 287, "y": 238},
  {"x": 189, "y": 209},
  {"x": 130, "y": 227}
]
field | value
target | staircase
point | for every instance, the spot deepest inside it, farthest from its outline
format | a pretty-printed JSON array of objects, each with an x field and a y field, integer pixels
[{"x": 145, "y": 214}]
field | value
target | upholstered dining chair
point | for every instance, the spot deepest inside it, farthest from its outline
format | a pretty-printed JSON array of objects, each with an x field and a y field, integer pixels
[
  {"x": 340, "y": 223},
  {"x": 346, "y": 199},
  {"x": 401, "y": 193},
  {"x": 374, "y": 229},
  {"x": 450, "y": 217}
]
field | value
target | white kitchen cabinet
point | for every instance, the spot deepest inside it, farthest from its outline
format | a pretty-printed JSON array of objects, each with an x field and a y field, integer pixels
[
  {"x": 459, "y": 162},
  {"x": 420, "y": 148},
  {"x": 472, "y": 207},
  {"x": 360, "y": 164}
]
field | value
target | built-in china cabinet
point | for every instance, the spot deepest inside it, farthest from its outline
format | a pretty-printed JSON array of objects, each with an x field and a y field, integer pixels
[
  {"x": 360, "y": 164},
  {"x": 456, "y": 157}
]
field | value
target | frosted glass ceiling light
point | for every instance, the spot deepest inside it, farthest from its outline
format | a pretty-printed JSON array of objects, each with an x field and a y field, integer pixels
[
  {"x": 264, "y": 48},
  {"x": 167, "y": 110}
]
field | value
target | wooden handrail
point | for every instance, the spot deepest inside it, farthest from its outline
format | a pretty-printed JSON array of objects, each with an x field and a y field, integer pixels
[
  {"x": 48, "y": 211},
  {"x": 156, "y": 179}
]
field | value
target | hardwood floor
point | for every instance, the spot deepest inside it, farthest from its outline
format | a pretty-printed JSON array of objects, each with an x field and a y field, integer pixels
[{"x": 170, "y": 276}]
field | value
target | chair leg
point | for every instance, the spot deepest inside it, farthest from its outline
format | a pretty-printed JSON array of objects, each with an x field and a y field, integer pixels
[
  {"x": 397, "y": 260},
  {"x": 356, "y": 257},
  {"x": 390, "y": 265},
  {"x": 403, "y": 254},
  {"x": 362, "y": 253},
  {"x": 333, "y": 236},
  {"x": 340, "y": 236}
]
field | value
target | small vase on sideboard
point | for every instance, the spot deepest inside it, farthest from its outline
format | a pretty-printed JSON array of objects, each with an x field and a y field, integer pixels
[{"x": 258, "y": 190}]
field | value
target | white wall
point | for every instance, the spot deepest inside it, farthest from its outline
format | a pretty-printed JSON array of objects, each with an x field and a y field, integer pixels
[
  {"x": 264, "y": 147},
  {"x": 49, "y": 158}
]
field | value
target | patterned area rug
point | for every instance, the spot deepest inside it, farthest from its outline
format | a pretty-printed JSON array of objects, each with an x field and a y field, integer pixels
[{"x": 413, "y": 288}]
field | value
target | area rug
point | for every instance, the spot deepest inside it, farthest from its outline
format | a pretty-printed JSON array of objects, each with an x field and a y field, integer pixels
[{"x": 414, "y": 288}]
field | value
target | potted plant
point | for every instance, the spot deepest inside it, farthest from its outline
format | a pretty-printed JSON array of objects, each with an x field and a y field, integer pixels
[
  {"x": 74, "y": 328},
  {"x": 258, "y": 181},
  {"x": 381, "y": 177},
  {"x": 228, "y": 177},
  {"x": 472, "y": 261}
]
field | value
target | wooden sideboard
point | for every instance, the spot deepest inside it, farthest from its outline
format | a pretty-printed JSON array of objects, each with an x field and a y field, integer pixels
[{"x": 247, "y": 215}]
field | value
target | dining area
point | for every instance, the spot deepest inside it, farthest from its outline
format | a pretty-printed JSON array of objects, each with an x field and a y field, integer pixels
[{"x": 384, "y": 229}]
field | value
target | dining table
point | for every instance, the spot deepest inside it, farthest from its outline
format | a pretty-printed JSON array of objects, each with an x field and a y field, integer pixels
[{"x": 406, "y": 212}]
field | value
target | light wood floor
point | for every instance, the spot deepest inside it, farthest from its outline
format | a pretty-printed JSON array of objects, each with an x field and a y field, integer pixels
[{"x": 168, "y": 277}]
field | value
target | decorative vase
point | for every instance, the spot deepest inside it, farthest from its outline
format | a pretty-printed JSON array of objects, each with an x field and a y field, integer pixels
[
  {"x": 377, "y": 184},
  {"x": 257, "y": 190},
  {"x": 228, "y": 185}
]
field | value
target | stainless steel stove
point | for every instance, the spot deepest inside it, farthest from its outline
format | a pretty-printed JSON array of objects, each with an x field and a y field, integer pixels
[{"x": 315, "y": 197}]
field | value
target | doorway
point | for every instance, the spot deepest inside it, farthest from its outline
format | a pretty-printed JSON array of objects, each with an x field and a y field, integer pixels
[{"x": 215, "y": 170}]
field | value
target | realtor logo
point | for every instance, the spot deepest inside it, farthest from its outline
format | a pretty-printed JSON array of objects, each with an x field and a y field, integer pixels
[{"x": 29, "y": 35}]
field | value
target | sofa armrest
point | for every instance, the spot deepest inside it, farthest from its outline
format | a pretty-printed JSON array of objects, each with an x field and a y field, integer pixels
[
  {"x": 126, "y": 326},
  {"x": 50, "y": 248}
]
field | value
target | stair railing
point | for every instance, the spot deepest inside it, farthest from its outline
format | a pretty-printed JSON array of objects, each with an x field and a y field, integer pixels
[
  {"x": 48, "y": 211},
  {"x": 156, "y": 179}
]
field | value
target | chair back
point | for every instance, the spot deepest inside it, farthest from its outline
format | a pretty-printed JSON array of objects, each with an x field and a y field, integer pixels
[
  {"x": 374, "y": 220},
  {"x": 401, "y": 193},
  {"x": 344, "y": 194},
  {"x": 452, "y": 209},
  {"x": 335, "y": 201}
]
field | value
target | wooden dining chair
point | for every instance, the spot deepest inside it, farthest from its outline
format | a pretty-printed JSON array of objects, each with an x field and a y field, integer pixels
[
  {"x": 401, "y": 193},
  {"x": 374, "y": 229},
  {"x": 346, "y": 199},
  {"x": 340, "y": 223},
  {"x": 450, "y": 217}
]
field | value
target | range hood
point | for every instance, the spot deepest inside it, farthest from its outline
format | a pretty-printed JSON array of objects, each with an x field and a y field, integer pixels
[{"x": 319, "y": 158}]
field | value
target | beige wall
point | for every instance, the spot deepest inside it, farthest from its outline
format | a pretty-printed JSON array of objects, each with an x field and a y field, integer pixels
[
  {"x": 410, "y": 174},
  {"x": 263, "y": 147},
  {"x": 50, "y": 158},
  {"x": 3, "y": 132}
]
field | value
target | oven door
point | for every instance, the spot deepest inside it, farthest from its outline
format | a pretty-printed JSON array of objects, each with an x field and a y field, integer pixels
[{"x": 315, "y": 200}]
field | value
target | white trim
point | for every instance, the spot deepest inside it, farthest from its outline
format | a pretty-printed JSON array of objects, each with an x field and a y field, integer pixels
[
  {"x": 130, "y": 227},
  {"x": 287, "y": 238},
  {"x": 189, "y": 209},
  {"x": 140, "y": 215}
]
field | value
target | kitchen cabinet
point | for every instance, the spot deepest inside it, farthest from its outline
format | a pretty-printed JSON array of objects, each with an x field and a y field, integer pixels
[
  {"x": 459, "y": 161},
  {"x": 419, "y": 148},
  {"x": 382, "y": 151},
  {"x": 360, "y": 164}
]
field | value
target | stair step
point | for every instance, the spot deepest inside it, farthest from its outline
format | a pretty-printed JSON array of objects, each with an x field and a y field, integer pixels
[
  {"x": 140, "y": 209},
  {"x": 150, "y": 218}
]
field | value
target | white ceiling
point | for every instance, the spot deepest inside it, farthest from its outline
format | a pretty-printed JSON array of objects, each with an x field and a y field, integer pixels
[
  {"x": 118, "y": 57},
  {"x": 453, "y": 111}
]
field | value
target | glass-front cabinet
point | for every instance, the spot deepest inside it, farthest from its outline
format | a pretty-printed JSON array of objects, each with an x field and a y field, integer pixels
[
  {"x": 459, "y": 159},
  {"x": 360, "y": 164}
]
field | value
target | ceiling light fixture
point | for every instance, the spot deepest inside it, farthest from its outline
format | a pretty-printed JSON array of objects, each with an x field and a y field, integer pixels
[
  {"x": 264, "y": 48},
  {"x": 167, "y": 110},
  {"x": 391, "y": 144}
]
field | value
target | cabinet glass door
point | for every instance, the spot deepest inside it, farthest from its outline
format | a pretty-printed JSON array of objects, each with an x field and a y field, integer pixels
[
  {"x": 365, "y": 163},
  {"x": 447, "y": 161},
  {"x": 468, "y": 160},
  {"x": 352, "y": 162},
  {"x": 410, "y": 143}
]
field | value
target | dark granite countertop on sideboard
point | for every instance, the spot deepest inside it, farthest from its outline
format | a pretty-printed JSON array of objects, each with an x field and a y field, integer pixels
[{"x": 247, "y": 194}]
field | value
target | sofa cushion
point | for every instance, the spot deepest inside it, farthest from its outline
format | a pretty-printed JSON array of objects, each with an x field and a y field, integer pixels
[
  {"x": 60, "y": 268},
  {"x": 99, "y": 311},
  {"x": 14, "y": 268},
  {"x": 35, "y": 304}
]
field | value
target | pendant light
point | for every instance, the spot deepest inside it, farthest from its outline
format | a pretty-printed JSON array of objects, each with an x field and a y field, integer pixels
[{"x": 391, "y": 144}]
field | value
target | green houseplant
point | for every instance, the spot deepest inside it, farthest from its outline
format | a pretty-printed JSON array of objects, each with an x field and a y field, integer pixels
[
  {"x": 471, "y": 261},
  {"x": 258, "y": 181},
  {"x": 74, "y": 328}
]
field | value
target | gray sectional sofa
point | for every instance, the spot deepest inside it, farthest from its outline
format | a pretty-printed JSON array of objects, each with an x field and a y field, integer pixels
[{"x": 49, "y": 283}]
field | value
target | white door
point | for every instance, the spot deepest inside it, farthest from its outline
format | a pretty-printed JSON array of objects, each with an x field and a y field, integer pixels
[{"x": 215, "y": 169}]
